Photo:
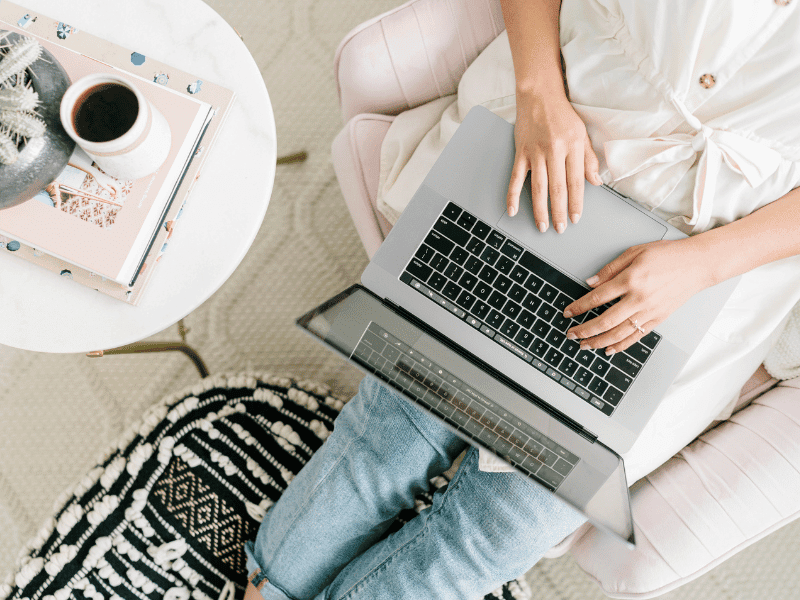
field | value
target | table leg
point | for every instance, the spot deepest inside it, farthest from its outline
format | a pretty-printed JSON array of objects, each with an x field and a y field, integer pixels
[
  {"x": 145, "y": 347},
  {"x": 291, "y": 159}
]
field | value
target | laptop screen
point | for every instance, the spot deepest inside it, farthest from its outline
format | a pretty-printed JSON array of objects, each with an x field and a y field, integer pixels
[{"x": 475, "y": 405}]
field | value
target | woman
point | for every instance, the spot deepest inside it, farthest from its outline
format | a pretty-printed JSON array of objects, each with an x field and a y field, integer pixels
[{"x": 689, "y": 107}]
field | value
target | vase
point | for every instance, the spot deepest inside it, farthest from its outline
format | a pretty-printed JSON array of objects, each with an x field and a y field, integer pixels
[{"x": 40, "y": 159}]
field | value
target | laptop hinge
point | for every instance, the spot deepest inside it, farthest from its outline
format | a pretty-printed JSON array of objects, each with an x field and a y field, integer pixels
[{"x": 505, "y": 380}]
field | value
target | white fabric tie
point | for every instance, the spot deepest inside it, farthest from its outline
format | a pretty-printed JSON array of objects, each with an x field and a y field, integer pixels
[{"x": 670, "y": 157}]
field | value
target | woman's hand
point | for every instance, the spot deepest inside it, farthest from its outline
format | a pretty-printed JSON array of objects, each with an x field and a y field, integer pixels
[
  {"x": 553, "y": 145},
  {"x": 651, "y": 281}
]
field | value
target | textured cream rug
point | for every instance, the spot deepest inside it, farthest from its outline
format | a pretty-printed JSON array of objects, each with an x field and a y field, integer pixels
[{"x": 58, "y": 412}]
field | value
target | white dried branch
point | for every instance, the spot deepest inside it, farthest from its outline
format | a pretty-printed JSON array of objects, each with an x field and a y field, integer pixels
[
  {"x": 20, "y": 56},
  {"x": 22, "y": 123},
  {"x": 8, "y": 149},
  {"x": 18, "y": 98}
]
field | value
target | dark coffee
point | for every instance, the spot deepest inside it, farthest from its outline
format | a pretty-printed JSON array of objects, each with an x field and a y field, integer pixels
[{"x": 105, "y": 112}]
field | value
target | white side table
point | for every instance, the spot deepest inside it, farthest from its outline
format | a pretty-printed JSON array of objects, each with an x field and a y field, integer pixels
[{"x": 43, "y": 312}]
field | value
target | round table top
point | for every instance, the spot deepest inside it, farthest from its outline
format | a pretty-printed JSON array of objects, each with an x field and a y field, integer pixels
[{"x": 43, "y": 312}]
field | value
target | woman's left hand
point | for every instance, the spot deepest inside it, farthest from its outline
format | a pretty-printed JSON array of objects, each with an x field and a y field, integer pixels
[{"x": 651, "y": 281}]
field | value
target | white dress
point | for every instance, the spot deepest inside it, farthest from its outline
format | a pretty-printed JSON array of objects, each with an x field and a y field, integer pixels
[{"x": 693, "y": 108}]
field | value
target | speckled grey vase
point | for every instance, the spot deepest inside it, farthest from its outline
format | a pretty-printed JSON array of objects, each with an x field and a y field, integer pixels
[{"x": 41, "y": 159}]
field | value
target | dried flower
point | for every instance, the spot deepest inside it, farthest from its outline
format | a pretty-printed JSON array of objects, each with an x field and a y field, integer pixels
[
  {"x": 22, "y": 123},
  {"x": 8, "y": 149},
  {"x": 18, "y": 102},
  {"x": 18, "y": 98},
  {"x": 21, "y": 56}
]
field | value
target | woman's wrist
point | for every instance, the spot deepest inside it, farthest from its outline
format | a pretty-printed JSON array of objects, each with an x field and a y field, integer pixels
[
  {"x": 543, "y": 89},
  {"x": 712, "y": 257},
  {"x": 540, "y": 101}
]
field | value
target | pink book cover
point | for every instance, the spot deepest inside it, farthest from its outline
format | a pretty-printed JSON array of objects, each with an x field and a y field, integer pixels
[{"x": 84, "y": 224}]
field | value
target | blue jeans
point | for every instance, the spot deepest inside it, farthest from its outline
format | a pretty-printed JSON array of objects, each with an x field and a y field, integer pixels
[{"x": 320, "y": 540}]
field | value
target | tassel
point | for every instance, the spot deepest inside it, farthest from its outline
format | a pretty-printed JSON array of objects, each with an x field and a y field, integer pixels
[{"x": 177, "y": 593}]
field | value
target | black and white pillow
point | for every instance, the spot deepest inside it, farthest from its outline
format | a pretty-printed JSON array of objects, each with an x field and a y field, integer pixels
[{"x": 166, "y": 512}]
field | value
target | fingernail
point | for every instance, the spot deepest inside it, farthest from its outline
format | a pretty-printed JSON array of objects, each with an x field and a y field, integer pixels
[
  {"x": 572, "y": 336},
  {"x": 542, "y": 227},
  {"x": 593, "y": 279},
  {"x": 610, "y": 351},
  {"x": 584, "y": 346},
  {"x": 560, "y": 227},
  {"x": 567, "y": 314},
  {"x": 575, "y": 217},
  {"x": 512, "y": 210}
]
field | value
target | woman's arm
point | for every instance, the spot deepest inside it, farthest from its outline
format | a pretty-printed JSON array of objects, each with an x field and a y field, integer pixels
[
  {"x": 550, "y": 137},
  {"x": 770, "y": 233},
  {"x": 654, "y": 279}
]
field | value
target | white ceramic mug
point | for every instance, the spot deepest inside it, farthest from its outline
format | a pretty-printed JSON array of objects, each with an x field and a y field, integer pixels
[{"x": 137, "y": 152}]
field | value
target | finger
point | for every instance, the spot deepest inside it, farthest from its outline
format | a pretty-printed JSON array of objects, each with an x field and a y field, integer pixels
[
  {"x": 594, "y": 298},
  {"x": 575, "y": 184},
  {"x": 591, "y": 165},
  {"x": 539, "y": 191},
  {"x": 619, "y": 313},
  {"x": 615, "y": 267},
  {"x": 557, "y": 184},
  {"x": 518, "y": 174},
  {"x": 621, "y": 331},
  {"x": 629, "y": 341}
]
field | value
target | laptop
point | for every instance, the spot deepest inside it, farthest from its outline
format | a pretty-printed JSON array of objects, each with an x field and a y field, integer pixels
[{"x": 461, "y": 312}]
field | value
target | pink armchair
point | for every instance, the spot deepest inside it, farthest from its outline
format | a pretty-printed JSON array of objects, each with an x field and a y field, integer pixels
[{"x": 733, "y": 485}]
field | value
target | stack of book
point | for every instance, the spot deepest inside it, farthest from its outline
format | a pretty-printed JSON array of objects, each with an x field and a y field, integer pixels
[{"x": 99, "y": 231}]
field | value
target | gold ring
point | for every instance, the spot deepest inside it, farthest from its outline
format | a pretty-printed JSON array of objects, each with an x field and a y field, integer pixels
[{"x": 635, "y": 323}]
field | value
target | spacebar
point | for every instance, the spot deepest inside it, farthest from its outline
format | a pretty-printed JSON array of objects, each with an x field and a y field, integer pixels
[{"x": 536, "y": 265}]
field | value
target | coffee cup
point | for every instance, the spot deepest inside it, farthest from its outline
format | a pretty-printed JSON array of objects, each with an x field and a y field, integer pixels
[{"x": 120, "y": 129}]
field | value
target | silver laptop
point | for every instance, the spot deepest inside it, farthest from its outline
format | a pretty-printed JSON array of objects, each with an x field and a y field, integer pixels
[{"x": 461, "y": 312}]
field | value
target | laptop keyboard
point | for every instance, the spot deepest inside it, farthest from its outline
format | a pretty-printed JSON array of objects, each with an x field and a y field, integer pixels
[
  {"x": 517, "y": 300},
  {"x": 464, "y": 409}
]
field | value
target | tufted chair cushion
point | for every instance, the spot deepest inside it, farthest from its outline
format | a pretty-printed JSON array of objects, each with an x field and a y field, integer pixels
[
  {"x": 412, "y": 54},
  {"x": 731, "y": 487}
]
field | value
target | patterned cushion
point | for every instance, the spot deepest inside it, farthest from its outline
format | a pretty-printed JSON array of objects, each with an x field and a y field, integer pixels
[{"x": 166, "y": 512}]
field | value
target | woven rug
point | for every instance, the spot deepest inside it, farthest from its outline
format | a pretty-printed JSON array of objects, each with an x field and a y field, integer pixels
[{"x": 58, "y": 412}]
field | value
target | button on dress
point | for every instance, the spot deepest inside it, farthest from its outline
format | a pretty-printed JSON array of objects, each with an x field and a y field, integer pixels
[{"x": 693, "y": 109}]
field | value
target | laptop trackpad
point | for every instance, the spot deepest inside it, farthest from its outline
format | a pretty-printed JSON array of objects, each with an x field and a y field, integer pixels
[{"x": 608, "y": 227}]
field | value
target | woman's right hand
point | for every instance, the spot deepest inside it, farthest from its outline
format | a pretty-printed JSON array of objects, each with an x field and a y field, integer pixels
[{"x": 553, "y": 145}]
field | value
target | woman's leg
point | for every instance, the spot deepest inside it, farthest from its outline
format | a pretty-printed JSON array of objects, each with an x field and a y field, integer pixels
[
  {"x": 382, "y": 453},
  {"x": 484, "y": 530}
]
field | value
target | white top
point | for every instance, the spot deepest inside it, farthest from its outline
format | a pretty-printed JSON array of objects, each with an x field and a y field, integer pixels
[
  {"x": 47, "y": 313},
  {"x": 693, "y": 108}
]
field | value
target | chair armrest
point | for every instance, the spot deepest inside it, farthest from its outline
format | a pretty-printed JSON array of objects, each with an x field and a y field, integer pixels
[
  {"x": 356, "y": 155},
  {"x": 731, "y": 487},
  {"x": 412, "y": 54}
]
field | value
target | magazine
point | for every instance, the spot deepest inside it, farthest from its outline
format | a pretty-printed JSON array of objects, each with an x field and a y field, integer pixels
[{"x": 96, "y": 229}]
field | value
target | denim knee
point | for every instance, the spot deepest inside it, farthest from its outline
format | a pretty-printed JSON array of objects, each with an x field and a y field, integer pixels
[
  {"x": 390, "y": 425},
  {"x": 380, "y": 455},
  {"x": 496, "y": 526}
]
